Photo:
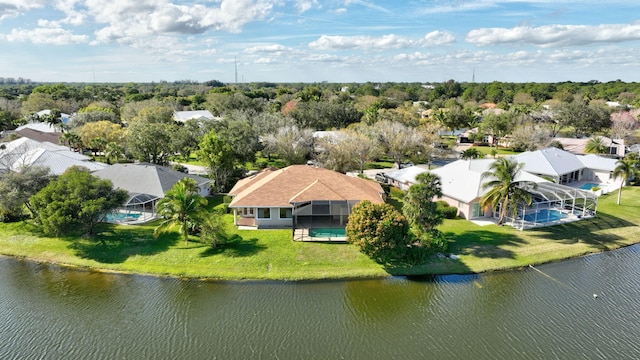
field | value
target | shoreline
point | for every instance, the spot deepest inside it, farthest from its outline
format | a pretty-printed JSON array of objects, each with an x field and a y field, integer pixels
[{"x": 102, "y": 270}]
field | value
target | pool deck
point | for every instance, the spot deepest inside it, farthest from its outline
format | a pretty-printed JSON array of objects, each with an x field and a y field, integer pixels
[{"x": 302, "y": 234}]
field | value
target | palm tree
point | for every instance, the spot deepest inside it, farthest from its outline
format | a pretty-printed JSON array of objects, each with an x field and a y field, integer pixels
[
  {"x": 97, "y": 144},
  {"x": 71, "y": 139},
  {"x": 596, "y": 145},
  {"x": 625, "y": 170},
  {"x": 504, "y": 190},
  {"x": 113, "y": 150},
  {"x": 471, "y": 153},
  {"x": 180, "y": 207}
]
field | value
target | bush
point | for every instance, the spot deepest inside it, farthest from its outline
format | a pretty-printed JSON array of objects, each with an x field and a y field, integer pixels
[
  {"x": 450, "y": 212},
  {"x": 180, "y": 167},
  {"x": 379, "y": 231},
  {"x": 447, "y": 211},
  {"x": 397, "y": 193}
]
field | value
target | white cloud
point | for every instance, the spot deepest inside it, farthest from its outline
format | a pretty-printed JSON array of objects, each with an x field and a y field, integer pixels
[
  {"x": 126, "y": 19},
  {"x": 437, "y": 38},
  {"x": 555, "y": 35},
  {"x": 385, "y": 42},
  {"x": 13, "y": 8},
  {"x": 46, "y": 35},
  {"x": 368, "y": 4},
  {"x": 328, "y": 42},
  {"x": 268, "y": 48},
  {"x": 305, "y": 5}
]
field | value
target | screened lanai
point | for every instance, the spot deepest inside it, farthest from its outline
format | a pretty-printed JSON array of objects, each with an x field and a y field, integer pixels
[
  {"x": 138, "y": 208},
  {"x": 552, "y": 204},
  {"x": 322, "y": 219}
]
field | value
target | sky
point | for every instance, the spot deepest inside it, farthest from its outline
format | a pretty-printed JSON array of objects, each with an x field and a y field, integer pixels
[{"x": 320, "y": 40}]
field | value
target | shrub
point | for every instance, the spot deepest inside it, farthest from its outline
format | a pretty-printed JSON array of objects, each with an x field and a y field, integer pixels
[
  {"x": 447, "y": 211},
  {"x": 379, "y": 231},
  {"x": 180, "y": 167},
  {"x": 450, "y": 212}
]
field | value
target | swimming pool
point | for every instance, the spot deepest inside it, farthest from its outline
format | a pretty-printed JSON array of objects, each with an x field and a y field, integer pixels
[
  {"x": 327, "y": 232},
  {"x": 588, "y": 186},
  {"x": 545, "y": 215},
  {"x": 121, "y": 217}
]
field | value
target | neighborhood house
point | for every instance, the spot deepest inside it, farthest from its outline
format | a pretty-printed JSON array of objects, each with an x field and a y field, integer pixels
[
  {"x": 146, "y": 184},
  {"x": 314, "y": 202},
  {"x": 560, "y": 184}
]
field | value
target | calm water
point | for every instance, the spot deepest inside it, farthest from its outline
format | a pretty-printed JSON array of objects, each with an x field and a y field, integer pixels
[{"x": 51, "y": 313}]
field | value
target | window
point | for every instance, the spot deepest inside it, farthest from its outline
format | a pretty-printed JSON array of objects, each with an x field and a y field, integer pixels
[
  {"x": 286, "y": 213},
  {"x": 264, "y": 213},
  {"x": 247, "y": 212}
]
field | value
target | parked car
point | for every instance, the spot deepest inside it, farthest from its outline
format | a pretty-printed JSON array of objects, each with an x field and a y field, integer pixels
[
  {"x": 406, "y": 165},
  {"x": 381, "y": 177}
]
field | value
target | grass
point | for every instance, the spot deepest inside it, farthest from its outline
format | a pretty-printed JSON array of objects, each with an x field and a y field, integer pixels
[
  {"x": 486, "y": 248},
  {"x": 271, "y": 254},
  {"x": 486, "y": 150}
]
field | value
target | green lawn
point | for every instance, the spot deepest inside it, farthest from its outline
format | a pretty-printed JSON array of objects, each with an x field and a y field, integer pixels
[{"x": 271, "y": 254}]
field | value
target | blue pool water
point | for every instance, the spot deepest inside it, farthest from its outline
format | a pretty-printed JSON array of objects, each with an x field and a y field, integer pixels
[
  {"x": 588, "y": 186},
  {"x": 545, "y": 215},
  {"x": 119, "y": 217},
  {"x": 327, "y": 232}
]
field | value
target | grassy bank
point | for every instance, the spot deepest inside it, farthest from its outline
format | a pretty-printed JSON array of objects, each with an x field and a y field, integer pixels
[{"x": 271, "y": 254}]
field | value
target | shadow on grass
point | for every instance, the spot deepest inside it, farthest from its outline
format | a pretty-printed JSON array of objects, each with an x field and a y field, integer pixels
[
  {"x": 114, "y": 245},
  {"x": 589, "y": 231},
  {"x": 236, "y": 246},
  {"x": 483, "y": 244}
]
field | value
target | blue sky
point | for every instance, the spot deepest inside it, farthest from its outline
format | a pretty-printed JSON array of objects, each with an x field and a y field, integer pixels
[{"x": 318, "y": 40}]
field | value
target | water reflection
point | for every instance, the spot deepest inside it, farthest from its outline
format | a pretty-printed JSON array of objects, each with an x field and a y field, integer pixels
[{"x": 52, "y": 312}]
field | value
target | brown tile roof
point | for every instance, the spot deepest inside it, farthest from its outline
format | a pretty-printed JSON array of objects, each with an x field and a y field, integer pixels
[
  {"x": 299, "y": 183},
  {"x": 52, "y": 137}
]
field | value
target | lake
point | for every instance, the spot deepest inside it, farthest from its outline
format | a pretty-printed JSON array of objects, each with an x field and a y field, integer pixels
[{"x": 546, "y": 312}]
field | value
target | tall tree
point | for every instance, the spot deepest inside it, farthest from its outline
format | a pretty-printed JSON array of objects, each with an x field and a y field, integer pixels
[
  {"x": 17, "y": 188},
  {"x": 291, "y": 143},
  {"x": 181, "y": 207},
  {"x": 75, "y": 200},
  {"x": 504, "y": 192},
  {"x": 398, "y": 141},
  {"x": 219, "y": 157},
  {"x": 625, "y": 169},
  {"x": 419, "y": 206},
  {"x": 113, "y": 151},
  {"x": 151, "y": 142}
]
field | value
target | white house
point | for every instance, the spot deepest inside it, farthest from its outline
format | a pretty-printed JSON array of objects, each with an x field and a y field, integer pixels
[
  {"x": 404, "y": 178},
  {"x": 204, "y": 115},
  {"x": 25, "y": 152}
]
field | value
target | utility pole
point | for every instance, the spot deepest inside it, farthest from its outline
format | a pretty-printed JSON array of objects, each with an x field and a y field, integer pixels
[{"x": 235, "y": 63}]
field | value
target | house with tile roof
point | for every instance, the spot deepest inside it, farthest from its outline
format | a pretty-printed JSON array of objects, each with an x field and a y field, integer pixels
[{"x": 299, "y": 196}]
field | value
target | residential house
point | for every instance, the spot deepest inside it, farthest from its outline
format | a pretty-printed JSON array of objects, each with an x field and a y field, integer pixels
[
  {"x": 25, "y": 152},
  {"x": 404, "y": 178},
  {"x": 203, "y": 115},
  {"x": 147, "y": 184},
  {"x": 563, "y": 167},
  {"x": 615, "y": 147},
  {"x": 299, "y": 197}
]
